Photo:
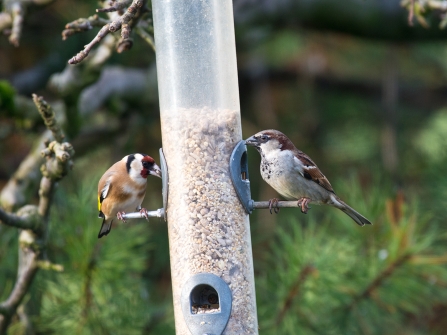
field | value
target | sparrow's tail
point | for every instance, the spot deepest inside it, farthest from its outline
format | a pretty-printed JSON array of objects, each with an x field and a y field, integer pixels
[
  {"x": 105, "y": 228},
  {"x": 353, "y": 214}
]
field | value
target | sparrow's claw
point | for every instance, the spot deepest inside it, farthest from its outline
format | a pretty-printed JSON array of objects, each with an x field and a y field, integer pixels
[
  {"x": 273, "y": 204},
  {"x": 143, "y": 212},
  {"x": 120, "y": 216},
  {"x": 304, "y": 204}
]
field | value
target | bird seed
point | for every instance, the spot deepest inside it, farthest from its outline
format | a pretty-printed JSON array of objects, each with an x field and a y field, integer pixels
[{"x": 209, "y": 230}]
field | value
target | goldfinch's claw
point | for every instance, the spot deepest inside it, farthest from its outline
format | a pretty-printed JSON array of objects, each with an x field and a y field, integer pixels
[
  {"x": 143, "y": 212},
  {"x": 304, "y": 204},
  {"x": 120, "y": 216}
]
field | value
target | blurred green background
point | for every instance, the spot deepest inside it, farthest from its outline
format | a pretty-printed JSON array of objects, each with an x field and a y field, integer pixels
[{"x": 351, "y": 83}]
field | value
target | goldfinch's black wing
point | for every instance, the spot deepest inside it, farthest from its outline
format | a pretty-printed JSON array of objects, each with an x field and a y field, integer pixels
[{"x": 102, "y": 195}]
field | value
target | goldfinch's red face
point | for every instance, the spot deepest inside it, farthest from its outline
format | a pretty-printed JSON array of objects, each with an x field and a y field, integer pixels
[
  {"x": 149, "y": 167},
  {"x": 140, "y": 166}
]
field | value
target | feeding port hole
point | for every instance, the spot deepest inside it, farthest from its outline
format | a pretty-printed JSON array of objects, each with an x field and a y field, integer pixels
[{"x": 204, "y": 299}]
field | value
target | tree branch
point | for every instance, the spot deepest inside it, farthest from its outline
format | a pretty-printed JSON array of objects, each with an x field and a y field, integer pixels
[
  {"x": 48, "y": 117},
  {"x": 24, "y": 183},
  {"x": 26, "y": 272},
  {"x": 82, "y": 24},
  {"x": 34, "y": 220},
  {"x": 17, "y": 13},
  {"x": 119, "y": 5},
  {"x": 125, "y": 22},
  {"x": 21, "y": 222},
  {"x": 84, "y": 53}
]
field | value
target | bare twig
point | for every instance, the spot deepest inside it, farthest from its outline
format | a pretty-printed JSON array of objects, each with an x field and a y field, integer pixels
[
  {"x": 131, "y": 12},
  {"x": 25, "y": 180},
  {"x": 119, "y": 5},
  {"x": 27, "y": 270},
  {"x": 125, "y": 22},
  {"x": 82, "y": 24},
  {"x": 21, "y": 222},
  {"x": 411, "y": 13},
  {"x": 48, "y": 116},
  {"x": 124, "y": 44},
  {"x": 84, "y": 53},
  {"x": 17, "y": 12}
]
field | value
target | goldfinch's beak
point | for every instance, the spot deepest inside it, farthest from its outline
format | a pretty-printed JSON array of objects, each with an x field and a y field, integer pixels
[
  {"x": 252, "y": 141},
  {"x": 155, "y": 171}
]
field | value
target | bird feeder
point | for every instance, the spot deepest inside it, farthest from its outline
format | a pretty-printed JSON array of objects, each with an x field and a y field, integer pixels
[{"x": 209, "y": 232}]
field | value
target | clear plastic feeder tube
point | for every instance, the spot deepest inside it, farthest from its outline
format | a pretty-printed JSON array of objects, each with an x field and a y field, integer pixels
[{"x": 209, "y": 230}]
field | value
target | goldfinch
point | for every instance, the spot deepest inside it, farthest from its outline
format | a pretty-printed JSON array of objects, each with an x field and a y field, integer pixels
[
  {"x": 122, "y": 188},
  {"x": 294, "y": 175}
]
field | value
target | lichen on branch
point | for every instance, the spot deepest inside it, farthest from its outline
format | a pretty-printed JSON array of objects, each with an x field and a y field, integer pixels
[{"x": 48, "y": 117}]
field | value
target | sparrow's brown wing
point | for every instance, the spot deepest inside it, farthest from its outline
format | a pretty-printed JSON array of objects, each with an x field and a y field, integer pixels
[{"x": 312, "y": 172}]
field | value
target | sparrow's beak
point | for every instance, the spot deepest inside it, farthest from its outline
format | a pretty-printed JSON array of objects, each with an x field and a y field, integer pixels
[
  {"x": 155, "y": 171},
  {"x": 252, "y": 141}
]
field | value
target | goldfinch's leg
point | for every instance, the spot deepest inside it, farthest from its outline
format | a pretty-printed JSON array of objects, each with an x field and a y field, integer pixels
[
  {"x": 273, "y": 204},
  {"x": 143, "y": 212},
  {"x": 304, "y": 204},
  {"x": 120, "y": 215}
]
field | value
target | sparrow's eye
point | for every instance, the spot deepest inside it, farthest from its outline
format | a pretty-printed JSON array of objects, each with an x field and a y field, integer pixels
[{"x": 264, "y": 138}]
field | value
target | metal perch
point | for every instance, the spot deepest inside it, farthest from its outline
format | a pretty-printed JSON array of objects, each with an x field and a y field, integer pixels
[
  {"x": 281, "y": 204},
  {"x": 159, "y": 213}
]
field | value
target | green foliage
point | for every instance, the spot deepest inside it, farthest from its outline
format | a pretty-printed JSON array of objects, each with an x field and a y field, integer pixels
[
  {"x": 102, "y": 289},
  {"x": 328, "y": 276},
  {"x": 432, "y": 139},
  {"x": 7, "y": 94},
  {"x": 8, "y": 260},
  {"x": 319, "y": 274}
]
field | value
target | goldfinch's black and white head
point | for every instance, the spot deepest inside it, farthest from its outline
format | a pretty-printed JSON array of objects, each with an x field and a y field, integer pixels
[{"x": 140, "y": 166}]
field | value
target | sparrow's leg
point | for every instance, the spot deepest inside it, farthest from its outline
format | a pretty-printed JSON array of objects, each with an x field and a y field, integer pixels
[
  {"x": 303, "y": 203},
  {"x": 143, "y": 212},
  {"x": 273, "y": 204},
  {"x": 120, "y": 215}
]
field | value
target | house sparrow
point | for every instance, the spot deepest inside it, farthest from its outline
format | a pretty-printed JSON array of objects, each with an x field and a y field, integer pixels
[
  {"x": 122, "y": 188},
  {"x": 294, "y": 175}
]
